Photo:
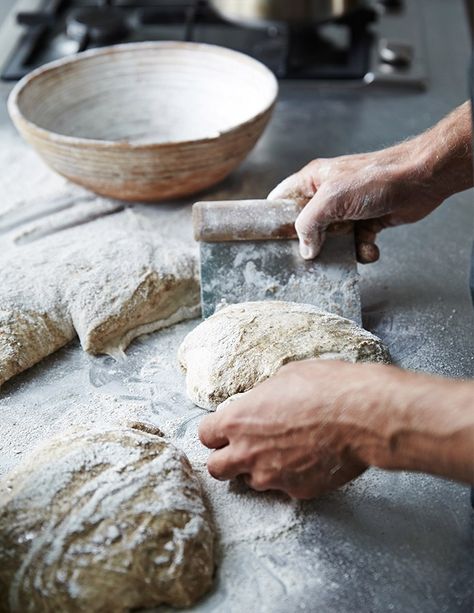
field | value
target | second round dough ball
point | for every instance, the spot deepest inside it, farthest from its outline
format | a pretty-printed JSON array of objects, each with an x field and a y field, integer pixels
[{"x": 243, "y": 344}]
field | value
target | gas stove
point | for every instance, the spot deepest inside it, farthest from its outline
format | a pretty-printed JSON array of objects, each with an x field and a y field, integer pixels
[{"x": 381, "y": 43}]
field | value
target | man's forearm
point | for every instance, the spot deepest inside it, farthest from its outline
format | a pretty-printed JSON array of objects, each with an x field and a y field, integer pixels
[
  {"x": 445, "y": 151},
  {"x": 426, "y": 424}
]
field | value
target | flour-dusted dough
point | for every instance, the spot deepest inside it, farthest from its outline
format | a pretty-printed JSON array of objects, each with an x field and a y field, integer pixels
[
  {"x": 27, "y": 335},
  {"x": 132, "y": 285},
  {"x": 106, "y": 281},
  {"x": 243, "y": 344},
  {"x": 102, "y": 520}
]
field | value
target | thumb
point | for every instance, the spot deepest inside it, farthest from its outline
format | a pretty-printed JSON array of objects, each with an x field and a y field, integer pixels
[
  {"x": 311, "y": 225},
  {"x": 288, "y": 189},
  {"x": 300, "y": 186}
]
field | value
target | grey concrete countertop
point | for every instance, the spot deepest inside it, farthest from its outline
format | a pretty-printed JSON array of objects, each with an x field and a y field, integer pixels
[{"x": 389, "y": 542}]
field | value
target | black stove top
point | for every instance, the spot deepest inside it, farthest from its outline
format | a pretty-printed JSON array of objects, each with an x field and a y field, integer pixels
[{"x": 337, "y": 50}]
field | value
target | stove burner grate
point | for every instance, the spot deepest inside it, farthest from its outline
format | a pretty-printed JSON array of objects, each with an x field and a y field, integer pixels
[
  {"x": 291, "y": 53},
  {"x": 96, "y": 25}
]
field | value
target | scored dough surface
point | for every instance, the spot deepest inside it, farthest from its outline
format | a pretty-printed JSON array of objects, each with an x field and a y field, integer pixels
[
  {"x": 101, "y": 520},
  {"x": 243, "y": 344}
]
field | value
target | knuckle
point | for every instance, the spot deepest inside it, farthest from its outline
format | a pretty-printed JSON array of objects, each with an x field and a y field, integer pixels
[
  {"x": 313, "y": 165},
  {"x": 230, "y": 424},
  {"x": 247, "y": 456},
  {"x": 285, "y": 188}
]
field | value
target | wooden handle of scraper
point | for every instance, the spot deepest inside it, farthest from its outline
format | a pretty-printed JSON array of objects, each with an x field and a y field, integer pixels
[{"x": 250, "y": 220}]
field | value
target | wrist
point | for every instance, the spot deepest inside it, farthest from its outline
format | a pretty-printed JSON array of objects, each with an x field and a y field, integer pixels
[
  {"x": 418, "y": 173},
  {"x": 408, "y": 168},
  {"x": 432, "y": 167},
  {"x": 441, "y": 158},
  {"x": 378, "y": 412}
]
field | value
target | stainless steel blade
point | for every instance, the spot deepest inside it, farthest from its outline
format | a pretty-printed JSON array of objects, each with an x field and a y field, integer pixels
[{"x": 241, "y": 271}]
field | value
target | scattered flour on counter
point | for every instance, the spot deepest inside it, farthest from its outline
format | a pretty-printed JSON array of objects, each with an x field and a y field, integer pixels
[{"x": 19, "y": 188}]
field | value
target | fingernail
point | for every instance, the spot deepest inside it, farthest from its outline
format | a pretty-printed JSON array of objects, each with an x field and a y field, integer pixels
[
  {"x": 306, "y": 251},
  {"x": 367, "y": 253}
]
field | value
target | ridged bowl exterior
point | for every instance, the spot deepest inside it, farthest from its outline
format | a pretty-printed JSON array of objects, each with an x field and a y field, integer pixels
[{"x": 51, "y": 106}]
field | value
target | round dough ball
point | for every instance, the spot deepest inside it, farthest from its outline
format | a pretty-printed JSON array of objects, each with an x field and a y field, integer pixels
[
  {"x": 243, "y": 344},
  {"x": 103, "y": 520}
]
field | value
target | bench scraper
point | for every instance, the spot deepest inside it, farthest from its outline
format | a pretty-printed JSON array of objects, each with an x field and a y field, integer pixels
[{"x": 249, "y": 252}]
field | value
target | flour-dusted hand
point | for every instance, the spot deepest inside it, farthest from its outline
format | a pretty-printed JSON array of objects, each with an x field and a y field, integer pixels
[
  {"x": 318, "y": 424},
  {"x": 377, "y": 190}
]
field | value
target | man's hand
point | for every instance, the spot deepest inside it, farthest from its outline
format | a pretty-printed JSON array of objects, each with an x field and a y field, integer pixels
[
  {"x": 318, "y": 424},
  {"x": 289, "y": 433},
  {"x": 377, "y": 190},
  {"x": 394, "y": 186}
]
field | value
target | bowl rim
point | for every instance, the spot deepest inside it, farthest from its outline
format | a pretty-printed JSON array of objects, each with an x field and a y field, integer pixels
[{"x": 21, "y": 121}]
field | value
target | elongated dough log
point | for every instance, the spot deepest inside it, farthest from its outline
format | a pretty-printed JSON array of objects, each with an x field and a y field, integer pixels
[{"x": 101, "y": 281}]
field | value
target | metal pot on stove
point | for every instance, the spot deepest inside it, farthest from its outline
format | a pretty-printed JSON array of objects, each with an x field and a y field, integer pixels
[{"x": 294, "y": 12}]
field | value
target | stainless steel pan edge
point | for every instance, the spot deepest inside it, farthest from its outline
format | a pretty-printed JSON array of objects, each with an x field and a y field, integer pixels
[{"x": 297, "y": 12}]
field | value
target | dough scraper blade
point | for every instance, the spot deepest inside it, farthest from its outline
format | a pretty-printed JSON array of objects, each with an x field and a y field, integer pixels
[{"x": 249, "y": 252}]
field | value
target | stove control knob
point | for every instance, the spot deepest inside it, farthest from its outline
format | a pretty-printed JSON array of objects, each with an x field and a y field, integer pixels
[{"x": 395, "y": 53}]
